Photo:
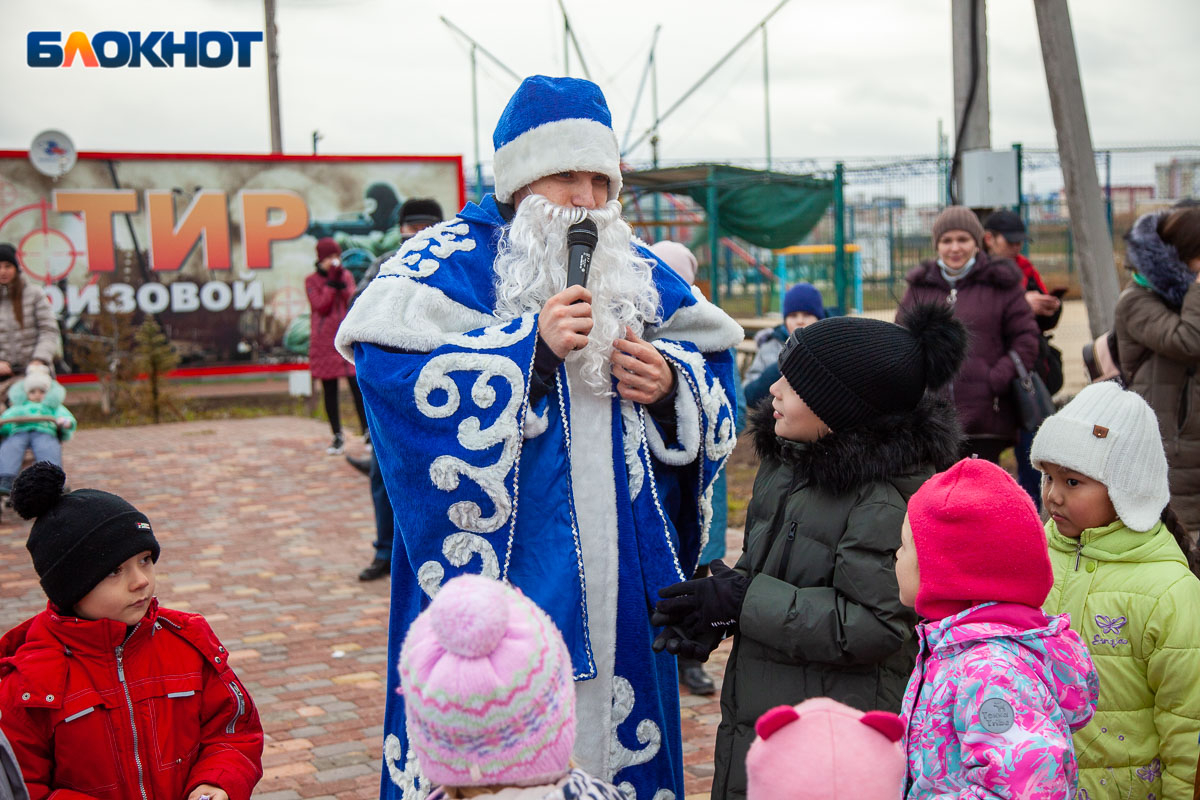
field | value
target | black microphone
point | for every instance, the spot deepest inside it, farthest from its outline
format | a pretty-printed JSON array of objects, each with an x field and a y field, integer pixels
[{"x": 581, "y": 241}]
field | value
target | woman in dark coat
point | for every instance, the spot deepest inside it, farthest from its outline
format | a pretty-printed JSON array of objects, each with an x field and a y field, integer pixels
[
  {"x": 988, "y": 297},
  {"x": 1158, "y": 336},
  {"x": 329, "y": 289}
]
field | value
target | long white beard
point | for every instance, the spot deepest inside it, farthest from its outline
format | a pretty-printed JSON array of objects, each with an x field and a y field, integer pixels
[{"x": 531, "y": 267}]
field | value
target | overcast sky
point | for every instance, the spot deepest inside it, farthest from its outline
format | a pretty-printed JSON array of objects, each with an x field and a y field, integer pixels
[{"x": 856, "y": 77}]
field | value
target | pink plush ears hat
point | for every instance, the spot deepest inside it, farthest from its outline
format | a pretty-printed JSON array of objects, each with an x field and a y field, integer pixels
[{"x": 842, "y": 752}]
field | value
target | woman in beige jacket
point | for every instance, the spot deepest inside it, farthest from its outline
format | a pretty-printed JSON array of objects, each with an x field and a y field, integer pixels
[
  {"x": 28, "y": 331},
  {"x": 1158, "y": 337}
]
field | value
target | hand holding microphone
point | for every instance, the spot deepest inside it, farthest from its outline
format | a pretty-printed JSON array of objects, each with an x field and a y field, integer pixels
[{"x": 566, "y": 319}]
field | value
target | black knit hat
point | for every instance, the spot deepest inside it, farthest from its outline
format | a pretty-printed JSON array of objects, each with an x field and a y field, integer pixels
[
  {"x": 853, "y": 370},
  {"x": 78, "y": 537},
  {"x": 8, "y": 253},
  {"x": 420, "y": 210}
]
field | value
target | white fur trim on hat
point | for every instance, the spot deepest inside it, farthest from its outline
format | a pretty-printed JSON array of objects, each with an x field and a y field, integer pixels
[
  {"x": 565, "y": 145},
  {"x": 1111, "y": 436}
]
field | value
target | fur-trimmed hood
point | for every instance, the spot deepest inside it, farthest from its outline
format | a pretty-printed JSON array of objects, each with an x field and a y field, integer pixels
[
  {"x": 998, "y": 272},
  {"x": 885, "y": 448},
  {"x": 1157, "y": 261}
]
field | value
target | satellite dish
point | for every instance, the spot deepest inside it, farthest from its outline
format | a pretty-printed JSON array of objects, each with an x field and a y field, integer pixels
[{"x": 52, "y": 154}]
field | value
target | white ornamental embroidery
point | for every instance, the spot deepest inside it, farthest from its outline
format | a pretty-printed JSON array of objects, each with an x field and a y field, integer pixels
[
  {"x": 719, "y": 437},
  {"x": 706, "y": 515},
  {"x": 459, "y": 548},
  {"x": 496, "y": 336},
  {"x": 647, "y": 732},
  {"x": 446, "y": 471},
  {"x": 410, "y": 776},
  {"x": 626, "y": 788},
  {"x": 441, "y": 241},
  {"x": 632, "y": 441}
]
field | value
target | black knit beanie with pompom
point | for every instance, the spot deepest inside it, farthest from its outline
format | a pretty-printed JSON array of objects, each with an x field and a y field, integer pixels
[
  {"x": 77, "y": 537},
  {"x": 853, "y": 370}
]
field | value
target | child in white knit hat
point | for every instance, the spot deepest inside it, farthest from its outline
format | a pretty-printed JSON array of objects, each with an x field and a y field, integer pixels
[{"x": 1124, "y": 570}]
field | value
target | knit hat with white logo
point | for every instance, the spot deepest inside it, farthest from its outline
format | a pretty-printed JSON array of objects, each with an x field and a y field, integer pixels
[
  {"x": 77, "y": 537},
  {"x": 1110, "y": 435}
]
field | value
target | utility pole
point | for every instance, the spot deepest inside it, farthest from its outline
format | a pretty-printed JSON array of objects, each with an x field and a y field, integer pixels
[
  {"x": 273, "y": 77},
  {"x": 766, "y": 96},
  {"x": 1098, "y": 270},
  {"x": 972, "y": 106}
]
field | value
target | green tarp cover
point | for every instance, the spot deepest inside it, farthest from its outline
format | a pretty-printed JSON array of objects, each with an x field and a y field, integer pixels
[{"x": 768, "y": 209}]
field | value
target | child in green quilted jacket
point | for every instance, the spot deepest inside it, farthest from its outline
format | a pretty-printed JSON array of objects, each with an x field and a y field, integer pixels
[
  {"x": 1124, "y": 569},
  {"x": 37, "y": 421}
]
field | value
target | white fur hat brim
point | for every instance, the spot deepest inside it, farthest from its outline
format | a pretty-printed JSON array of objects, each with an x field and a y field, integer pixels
[
  {"x": 565, "y": 145},
  {"x": 1110, "y": 435}
]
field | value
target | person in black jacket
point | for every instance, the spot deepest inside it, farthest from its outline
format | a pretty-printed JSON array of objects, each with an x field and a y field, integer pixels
[{"x": 813, "y": 606}]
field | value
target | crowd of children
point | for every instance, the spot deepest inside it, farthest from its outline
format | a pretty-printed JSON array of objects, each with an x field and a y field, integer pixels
[{"x": 903, "y": 623}]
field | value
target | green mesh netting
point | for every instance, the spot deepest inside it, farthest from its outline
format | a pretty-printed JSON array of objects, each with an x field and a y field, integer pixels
[{"x": 768, "y": 209}]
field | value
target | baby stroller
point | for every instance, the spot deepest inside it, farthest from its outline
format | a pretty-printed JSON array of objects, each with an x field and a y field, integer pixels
[{"x": 36, "y": 420}]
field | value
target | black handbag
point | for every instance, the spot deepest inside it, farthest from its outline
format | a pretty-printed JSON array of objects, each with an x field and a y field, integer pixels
[{"x": 1033, "y": 400}]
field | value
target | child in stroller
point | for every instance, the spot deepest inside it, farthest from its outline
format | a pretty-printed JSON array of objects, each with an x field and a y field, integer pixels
[{"x": 37, "y": 420}]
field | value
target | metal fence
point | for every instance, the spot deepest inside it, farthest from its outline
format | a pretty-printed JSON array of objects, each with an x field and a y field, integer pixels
[{"x": 888, "y": 206}]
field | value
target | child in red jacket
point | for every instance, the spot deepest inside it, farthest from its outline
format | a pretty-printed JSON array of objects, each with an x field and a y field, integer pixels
[{"x": 104, "y": 694}]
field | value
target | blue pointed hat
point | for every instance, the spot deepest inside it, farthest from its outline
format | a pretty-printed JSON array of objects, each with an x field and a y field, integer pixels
[{"x": 554, "y": 125}]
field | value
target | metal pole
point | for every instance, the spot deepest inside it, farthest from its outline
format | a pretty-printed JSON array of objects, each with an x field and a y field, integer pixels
[
  {"x": 475, "y": 128},
  {"x": 766, "y": 97},
  {"x": 1108, "y": 189},
  {"x": 637, "y": 99},
  {"x": 891, "y": 279},
  {"x": 273, "y": 76},
  {"x": 781, "y": 277},
  {"x": 839, "y": 235},
  {"x": 1098, "y": 271},
  {"x": 482, "y": 49},
  {"x": 569, "y": 31},
  {"x": 1022, "y": 209},
  {"x": 707, "y": 75},
  {"x": 713, "y": 237},
  {"x": 654, "y": 140}
]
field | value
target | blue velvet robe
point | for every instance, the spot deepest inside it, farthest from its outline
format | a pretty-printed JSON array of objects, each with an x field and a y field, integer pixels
[{"x": 581, "y": 501}]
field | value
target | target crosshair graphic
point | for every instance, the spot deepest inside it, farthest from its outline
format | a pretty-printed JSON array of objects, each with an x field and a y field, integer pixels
[{"x": 44, "y": 247}]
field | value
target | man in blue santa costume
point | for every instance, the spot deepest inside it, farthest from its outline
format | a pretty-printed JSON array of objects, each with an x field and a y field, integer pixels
[{"x": 562, "y": 439}]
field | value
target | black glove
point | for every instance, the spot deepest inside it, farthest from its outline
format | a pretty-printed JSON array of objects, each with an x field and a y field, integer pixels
[
  {"x": 701, "y": 605},
  {"x": 335, "y": 284},
  {"x": 675, "y": 643}
]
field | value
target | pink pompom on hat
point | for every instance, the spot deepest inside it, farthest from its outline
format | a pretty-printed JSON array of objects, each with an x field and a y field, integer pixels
[
  {"x": 979, "y": 539},
  {"x": 824, "y": 750},
  {"x": 487, "y": 687}
]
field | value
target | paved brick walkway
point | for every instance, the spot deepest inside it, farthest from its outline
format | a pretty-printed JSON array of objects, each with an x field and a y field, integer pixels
[{"x": 265, "y": 534}]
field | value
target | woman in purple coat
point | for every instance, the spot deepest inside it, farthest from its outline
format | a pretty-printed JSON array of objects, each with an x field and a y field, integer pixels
[
  {"x": 988, "y": 296},
  {"x": 329, "y": 289}
]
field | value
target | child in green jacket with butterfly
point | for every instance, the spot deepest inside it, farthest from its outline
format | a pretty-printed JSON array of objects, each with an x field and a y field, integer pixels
[{"x": 1124, "y": 571}]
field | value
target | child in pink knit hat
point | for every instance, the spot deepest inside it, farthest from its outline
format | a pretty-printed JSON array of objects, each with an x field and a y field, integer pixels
[
  {"x": 825, "y": 750},
  {"x": 998, "y": 686},
  {"x": 488, "y": 690}
]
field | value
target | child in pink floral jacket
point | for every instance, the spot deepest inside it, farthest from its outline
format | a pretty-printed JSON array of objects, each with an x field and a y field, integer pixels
[{"x": 998, "y": 686}]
